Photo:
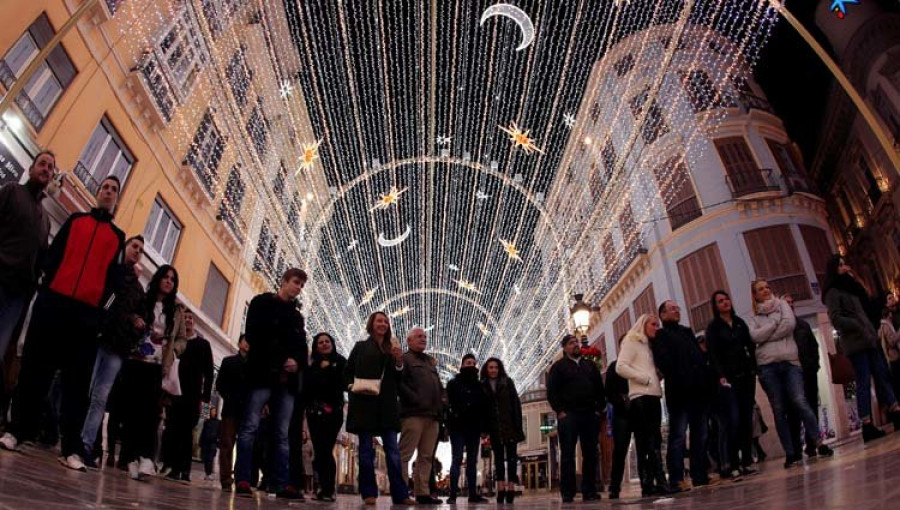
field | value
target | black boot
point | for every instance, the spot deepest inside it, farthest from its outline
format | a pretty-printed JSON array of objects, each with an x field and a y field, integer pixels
[
  {"x": 871, "y": 432},
  {"x": 501, "y": 497},
  {"x": 510, "y": 496}
]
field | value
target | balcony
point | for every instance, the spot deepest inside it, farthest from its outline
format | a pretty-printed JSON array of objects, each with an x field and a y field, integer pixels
[
  {"x": 797, "y": 183},
  {"x": 151, "y": 86},
  {"x": 29, "y": 109},
  {"x": 747, "y": 102},
  {"x": 84, "y": 175},
  {"x": 747, "y": 182},
  {"x": 684, "y": 212}
]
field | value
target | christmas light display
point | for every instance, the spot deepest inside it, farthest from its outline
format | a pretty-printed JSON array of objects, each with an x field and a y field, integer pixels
[{"x": 420, "y": 166}]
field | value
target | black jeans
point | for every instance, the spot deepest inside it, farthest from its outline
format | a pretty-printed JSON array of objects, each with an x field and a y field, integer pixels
[
  {"x": 734, "y": 415},
  {"x": 811, "y": 390},
  {"x": 62, "y": 335},
  {"x": 693, "y": 414},
  {"x": 468, "y": 441},
  {"x": 584, "y": 426},
  {"x": 140, "y": 409},
  {"x": 621, "y": 440},
  {"x": 323, "y": 431},
  {"x": 178, "y": 438},
  {"x": 506, "y": 460},
  {"x": 296, "y": 470},
  {"x": 646, "y": 418}
]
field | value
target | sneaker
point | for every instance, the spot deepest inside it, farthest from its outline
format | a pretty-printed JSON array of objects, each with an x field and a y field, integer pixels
[
  {"x": 243, "y": 489},
  {"x": 90, "y": 463},
  {"x": 74, "y": 462},
  {"x": 478, "y": 499},
  {"x": 134, "y": 470},
  {"x": 9, "y": 442},
  {"x": 613, "y": 494},
  {"x": 146, "y": 467},
  {"x": 185, "y": 478},
  {"x": 170, "y": 477},
  {"x": 427, "y": 500},
  {"x": 825, "y": 451}
]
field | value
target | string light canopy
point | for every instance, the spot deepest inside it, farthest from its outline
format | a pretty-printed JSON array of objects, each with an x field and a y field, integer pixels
[{"x": 460, "y": 165}]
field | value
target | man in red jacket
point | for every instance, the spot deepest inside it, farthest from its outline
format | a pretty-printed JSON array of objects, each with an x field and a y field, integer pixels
[{"x": 79, "y": 274}]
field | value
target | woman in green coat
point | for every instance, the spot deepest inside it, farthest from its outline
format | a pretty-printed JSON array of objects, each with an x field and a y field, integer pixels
[{"x": 376, "y": 413}]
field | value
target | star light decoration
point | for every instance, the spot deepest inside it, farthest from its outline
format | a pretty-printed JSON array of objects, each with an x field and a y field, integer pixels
[
  {"x": 388, "y": 199},
  {"x": 511, "y": 250},
  {"x": 400, "y": 312},
  {"x": 467, "y": 285},
  {"x": 443, "y": 141},
  {"x": 520, "y": 138},
  {"x": 367, "y": 297},
  {"x": 569, "y": 120},
  {"x": 286, "y": 90}
]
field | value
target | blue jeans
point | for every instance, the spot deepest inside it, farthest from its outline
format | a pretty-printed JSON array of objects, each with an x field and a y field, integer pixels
[
  {"x": 783, "y": 384},
  {"x": 695, "y": 415},
  {"x": 106, "y": 369},
  {"x": 868, "y": 364},
  {"x": 368, "y": 488},
  {"x": 11, "y": 308},
  {"x": 470, "y": 442},
  {"x": 281, "y": 408}
]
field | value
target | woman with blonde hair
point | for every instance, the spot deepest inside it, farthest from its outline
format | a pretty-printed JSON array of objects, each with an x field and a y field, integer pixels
[
  {"x": 780, "y": 373},
  {"x": 635, "y": 364}
]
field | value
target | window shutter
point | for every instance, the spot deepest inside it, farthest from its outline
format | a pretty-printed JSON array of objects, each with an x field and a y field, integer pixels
[
  {"x": 776, "y": 259},
  {"x": 701, "y": 273},
  {"x": 622, "y": 324},
  {"x": 645, "y": 302},
  {"x": 215, "y": 295},
  {"x": 816, "y": 242}
]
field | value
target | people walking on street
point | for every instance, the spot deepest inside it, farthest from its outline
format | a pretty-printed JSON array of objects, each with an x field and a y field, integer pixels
[
  {"x": 732, "y": 355},
  {"x": 845, "y": 297},
  {"x": 808, "y": 352},
  {"x": 122, "y": 329},
  {"x": 635, "y": 363},
  {"x": 209, "y": 442},
  {"x": 324, "y": 392},
  {"x": 275, "y": 363},
  {"x": 79, "y": 275},
  {"x": 24, "y": 229},
  {"x": 772, "y": 330},
  {"x": 617, "y": 395},
  {"x": 231, "y": 385},
  {"x": 690, "y": 388},
  {"x": 504, "y": 426},
  {"x": 575, "y": 392},
  {"x": 372, "y": 376},
  {"x": 421, "y": 405},
  {"x": 468, "y": 408},
  {"x": 153, "y": 359}
]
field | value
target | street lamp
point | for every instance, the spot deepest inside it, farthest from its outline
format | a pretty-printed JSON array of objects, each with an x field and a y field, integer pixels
[{"x": 581, "y": 316}]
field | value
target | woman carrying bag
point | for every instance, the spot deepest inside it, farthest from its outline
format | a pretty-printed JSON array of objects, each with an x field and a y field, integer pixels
[{"x": 372, "y": 374}]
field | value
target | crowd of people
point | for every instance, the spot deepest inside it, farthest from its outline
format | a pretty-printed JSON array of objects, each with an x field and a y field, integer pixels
[{"x": 134, "y": 353}]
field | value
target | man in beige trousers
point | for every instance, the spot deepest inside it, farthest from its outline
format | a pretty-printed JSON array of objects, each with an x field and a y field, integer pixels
[{"x": 421, "y": 403}]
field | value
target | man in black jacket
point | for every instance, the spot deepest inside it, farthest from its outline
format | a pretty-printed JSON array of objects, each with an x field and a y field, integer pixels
[
  {"x": 231, "y": 385},
  {"x": 278, "y": 354},
  {"x": 575, "y": 392},
  {"x": 808, "y": 352},
  {"x": 468, "y": 407},
  {"x": 617, "y": 395},
  {"x": 689, "y": 390}
]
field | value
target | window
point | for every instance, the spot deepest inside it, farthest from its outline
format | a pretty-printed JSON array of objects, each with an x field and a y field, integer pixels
[
  {"x": 265, "y": 250},
  {"x": 873, "y": 192},
  {"x": 702, "y": 273},
  {"x": 280, "y": 183},
  {"x": 789, "y": 164},
  {"x": 218, "y": 14},
  {"x": 776, "y": 259},
  {"x": 677, "y": 193},
  {"x": 645, "y": 302},
  {"x": 622, "y": 323},
  {"x": 744, "y": 177},
  {"x": 888, "y": 113},
  {"x": 206, "y": 152},
  {"x": 51, "y": 79},
  {"x": 630, "y": 232},
  {"x": 181, "y": 52},
  {"x": 608, "y": 156},
  {"x": 162, "y": 231},
  {"x": 239, "y": 76},
  {"x": 257, "y": 128},
  {"x": 215, "y": 295},
  {"x": 624, "y": 65},
  {"x": 702, "y": 92},
  {"x": 609, "y": 254},
  {"x": 816, "y": 242},
  {"x": 654, "y": 125},
  {"x": 104, "y": 155},
  {"x": 232, "y": 201}
]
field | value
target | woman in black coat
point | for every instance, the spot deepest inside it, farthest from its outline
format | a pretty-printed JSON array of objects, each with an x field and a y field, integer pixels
[
  {"x": 324, "y": 384},
  {"x": 504, "y": 426},
  {"x": 376, "y": 414}
]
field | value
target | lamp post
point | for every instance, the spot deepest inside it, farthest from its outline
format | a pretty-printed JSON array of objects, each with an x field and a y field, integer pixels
[{"x": 581, "y": 316}]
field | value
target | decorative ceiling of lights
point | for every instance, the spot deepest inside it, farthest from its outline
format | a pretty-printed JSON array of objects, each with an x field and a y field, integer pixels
[{"x": 456, "y": 153}]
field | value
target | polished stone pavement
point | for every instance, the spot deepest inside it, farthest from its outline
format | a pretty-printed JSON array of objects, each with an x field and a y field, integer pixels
[{"x": 858, "y": 478}]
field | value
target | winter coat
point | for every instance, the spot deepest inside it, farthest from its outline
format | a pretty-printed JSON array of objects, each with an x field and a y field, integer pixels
[
  {"x": 773, "y": 334},
  {"x": 890, "y": 340},
  {"x": 505, "y": 411},
  {"x": 575, "y": 386},
  {"x": 420, "y": 389},
  {"x": 231, "y": 384},
  {"x": 209, "y": 436},
  {"x": 468, "y": 402},
  {"x": 372, "y": 414},
  {"x": 196, "y": 371},
  {"x": 684, "y": 366},
  {"x": 807, "y": 347},
  {"x": 617, "y": 390},
  {"x": 118, "y": 333},
  {"x": 635, "y": 363},
  {"x": 732, "y": 353},
  {"x": 275, "y": 331},
  {"x": 849, "y": 318},
  {"x": 24, "y": 229},
  {"x": 324, "y": 386},
  {"x": 175, "y": 343}
]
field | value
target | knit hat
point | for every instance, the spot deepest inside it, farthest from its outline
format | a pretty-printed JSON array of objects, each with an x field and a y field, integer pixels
[{"x": 565, "y": 339}]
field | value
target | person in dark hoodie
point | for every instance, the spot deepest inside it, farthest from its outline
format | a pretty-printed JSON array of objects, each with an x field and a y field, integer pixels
[
  {"x": 278, "y": 354},
  {"x": 231, "y": 385},
  {"x": 575, "y": 392},
  {"x": 324, "y": 397},
  {"x": 617, "y": 396},
  {"x": 689, "y": 390},
  {"x": 468, "y": 407},
  {"x": 79, "y": 274},
  {"x": 733, "y": 359}
]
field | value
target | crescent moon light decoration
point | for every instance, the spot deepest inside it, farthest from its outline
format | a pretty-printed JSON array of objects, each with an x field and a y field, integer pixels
[
  {"x": 387, "y": 243},
  {"x": 514, "y": 13}
]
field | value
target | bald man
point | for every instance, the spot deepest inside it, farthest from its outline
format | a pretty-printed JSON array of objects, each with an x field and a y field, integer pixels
[{"x": 421, "y": 405}]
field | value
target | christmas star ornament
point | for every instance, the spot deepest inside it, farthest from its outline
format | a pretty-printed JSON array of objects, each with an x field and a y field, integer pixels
[
  {"x": 286, "y": 90},
  {"x": 520, "y": 138},
  {"x": 569, "y": 120},
  {"x": 400, "y": 312},
  {"x": 467, "y": 285},
  {"x": 511, "y": 250},
  {"x": 388, "y": 199},
  {"x": 367, "y": 298},
  {"x": 309, "y": 155}
]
